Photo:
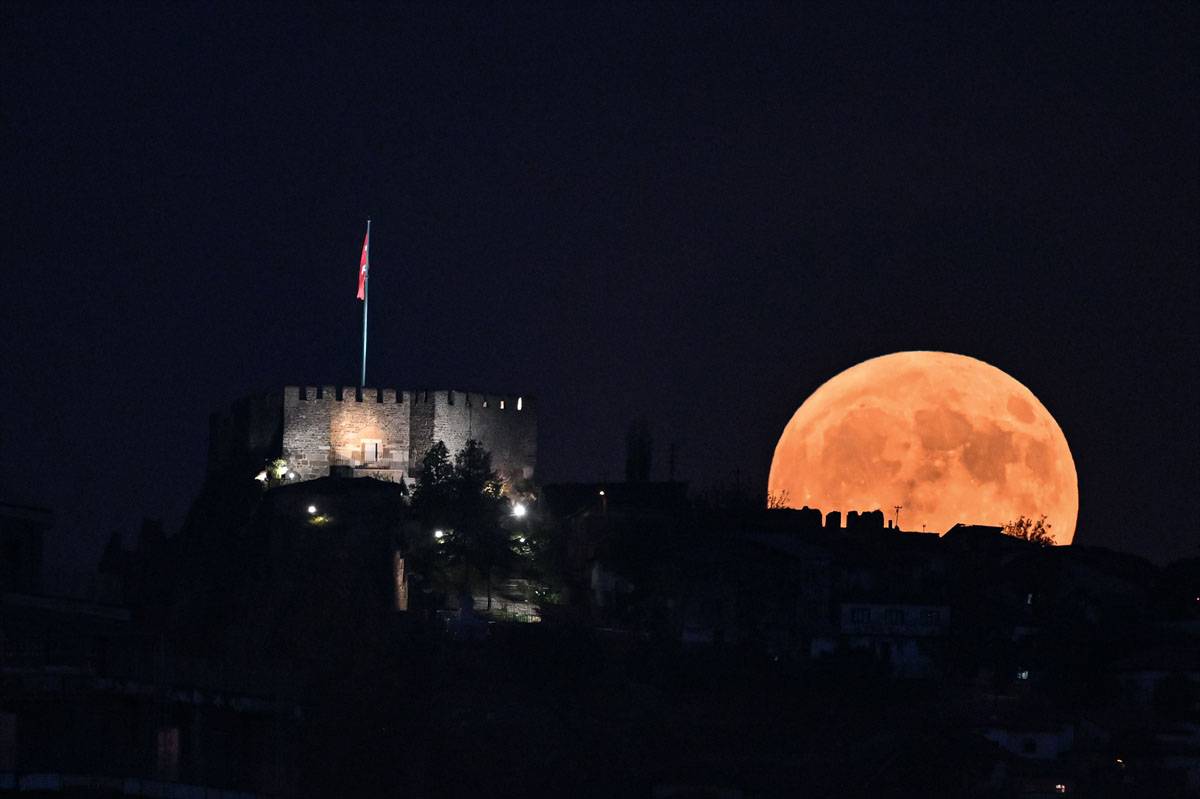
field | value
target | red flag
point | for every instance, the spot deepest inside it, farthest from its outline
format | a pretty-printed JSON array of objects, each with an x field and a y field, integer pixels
[{"x": 362, "y": 266}]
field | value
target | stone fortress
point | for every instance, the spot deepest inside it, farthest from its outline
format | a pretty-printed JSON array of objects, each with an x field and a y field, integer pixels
[{"x": 367, "y": 432}]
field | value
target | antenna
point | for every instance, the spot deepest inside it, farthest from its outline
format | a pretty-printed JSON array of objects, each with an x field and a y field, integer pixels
[{"x": 897, "y": 516}]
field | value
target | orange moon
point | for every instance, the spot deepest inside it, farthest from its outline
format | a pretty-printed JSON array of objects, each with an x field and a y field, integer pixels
[{"x": 950, "y": 438}]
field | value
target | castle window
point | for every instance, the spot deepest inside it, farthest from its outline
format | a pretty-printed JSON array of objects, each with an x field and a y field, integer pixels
[
  {"x": 501, "y": 404},
  {"x": 520, "y": 402},
  {"x": 485, "y": 404},
  {"x": 371, "y": 451}
]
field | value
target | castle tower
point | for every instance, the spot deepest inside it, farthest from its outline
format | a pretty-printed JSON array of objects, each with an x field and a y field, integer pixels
[{"x": 381, "y": 433}]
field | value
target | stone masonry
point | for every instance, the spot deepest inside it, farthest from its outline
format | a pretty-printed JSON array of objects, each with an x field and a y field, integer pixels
[{"x": 381, "y": 433}]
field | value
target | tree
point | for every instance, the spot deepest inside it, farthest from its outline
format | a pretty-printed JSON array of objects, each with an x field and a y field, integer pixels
[
  {"x": 1035, "y": 532},
  {"x": 778, "y": 500},
  {"x": 273, "y": 473},
  {"x": 465, "y": 503},
  {"x": 433, "y": 495}
]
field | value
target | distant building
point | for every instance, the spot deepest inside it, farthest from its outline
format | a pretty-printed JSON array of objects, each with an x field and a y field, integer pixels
[
  {"x": 93, "y": 706},
  {"x": 897, "y": 633},
  {"x": 381, "y": 433},
  {"x": 22, "y": 533}
]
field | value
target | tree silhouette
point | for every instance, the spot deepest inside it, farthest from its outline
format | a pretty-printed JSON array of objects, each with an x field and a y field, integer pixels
[
  {"x": 778, "y": 500},
  {"x": 1026, "y": 528},
  {"x": 464, "y": 501},
  {"x": 433, "y": 495}
]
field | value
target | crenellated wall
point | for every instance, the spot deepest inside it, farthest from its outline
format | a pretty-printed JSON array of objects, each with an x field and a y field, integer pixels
[
  {"x": 325, "y": 426},
  {"x": 245, "y": 434},
  {"x": 379, "y": 432},
  {"x": 505, "y": 424}
]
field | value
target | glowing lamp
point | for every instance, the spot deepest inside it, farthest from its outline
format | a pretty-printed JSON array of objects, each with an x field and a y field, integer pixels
[
  {"x": 519, "y": 510},
  {"x": 438, "y": 534},
  {"x": 601, "y": 493},
  {"x": 312, "y": 510}
]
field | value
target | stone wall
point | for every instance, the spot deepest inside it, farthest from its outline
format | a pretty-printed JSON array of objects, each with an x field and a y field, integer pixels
[
  {"x": 421, "y": 427},
  {"x": 506, "y": 426},
  {"x": 246, "y": 434},
  {"x": 314, "y": 428},
  {"x": 327, "y": 427}
]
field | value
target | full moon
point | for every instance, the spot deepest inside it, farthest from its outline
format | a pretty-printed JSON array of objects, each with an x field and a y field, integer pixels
[{"x": 947, "y": 437}]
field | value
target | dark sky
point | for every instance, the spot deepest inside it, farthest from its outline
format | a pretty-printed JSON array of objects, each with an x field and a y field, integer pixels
[{"x": 694, "y": 212}]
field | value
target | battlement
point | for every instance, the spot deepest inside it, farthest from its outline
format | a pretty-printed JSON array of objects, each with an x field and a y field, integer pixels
[
  {"x": 474, "y": 399},
  {"x": 470, "y": 399},
  {"x": 383, "y": 432},
  {"x": 295, "y": 394}
]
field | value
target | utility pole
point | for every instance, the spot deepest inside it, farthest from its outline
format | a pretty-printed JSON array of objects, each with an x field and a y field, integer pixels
[{"x": 897, "y": 516}]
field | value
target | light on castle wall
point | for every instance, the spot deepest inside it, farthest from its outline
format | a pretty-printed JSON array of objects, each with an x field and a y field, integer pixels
[{"x": 519, "y": 510}]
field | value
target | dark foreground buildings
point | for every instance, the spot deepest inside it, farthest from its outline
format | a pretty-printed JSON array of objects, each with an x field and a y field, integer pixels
[{"x": 297, "y": 640}]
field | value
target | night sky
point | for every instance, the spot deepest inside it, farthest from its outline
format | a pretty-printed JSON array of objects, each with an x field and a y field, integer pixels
[{"x": 697, "y": 213}]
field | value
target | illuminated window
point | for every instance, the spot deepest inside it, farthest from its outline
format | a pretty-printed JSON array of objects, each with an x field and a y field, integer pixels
[
  {"x": 1029, "y": 599},
  {"x": 371, "y": 450},
  {"x": 520, "y": 402},
  {"x": 1023, "y": 674},
  {"x": 501, "y": 404},
  {"x": 485, "y": 404}
]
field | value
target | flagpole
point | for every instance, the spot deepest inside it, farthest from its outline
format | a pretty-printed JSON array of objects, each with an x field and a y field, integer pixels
[{"x": 366, "y": 293}]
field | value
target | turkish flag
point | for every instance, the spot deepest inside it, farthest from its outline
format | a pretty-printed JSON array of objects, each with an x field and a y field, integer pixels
[{"x": 362, "y": 266}]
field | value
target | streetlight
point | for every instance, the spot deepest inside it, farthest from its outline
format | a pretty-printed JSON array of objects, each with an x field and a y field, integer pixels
[
  {"x": 519, "y": 510},
  {"x": 438, "y": 534},
  {"x": 312, "y": 510}
]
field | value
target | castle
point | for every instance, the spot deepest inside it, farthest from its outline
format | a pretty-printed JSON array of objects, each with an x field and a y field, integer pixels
[{"x": 382, "y": 433}]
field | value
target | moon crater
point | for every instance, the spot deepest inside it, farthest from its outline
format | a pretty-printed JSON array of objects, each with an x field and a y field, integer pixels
[{"x": 948, "y": 437}]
